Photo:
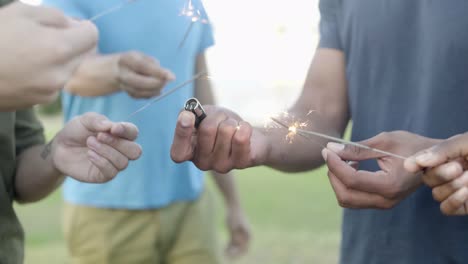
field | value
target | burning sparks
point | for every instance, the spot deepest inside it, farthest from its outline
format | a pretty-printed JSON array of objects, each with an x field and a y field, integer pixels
[
  {"x": 195, "y": 15},
  {"x": 292, "y": 130},
  {"x": 293, "y": 124}
]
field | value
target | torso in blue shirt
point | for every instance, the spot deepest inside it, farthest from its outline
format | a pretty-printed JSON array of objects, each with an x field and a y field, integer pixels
[
  {"x": 156, "y": 28},
  {"x": 406, "y": 64}
]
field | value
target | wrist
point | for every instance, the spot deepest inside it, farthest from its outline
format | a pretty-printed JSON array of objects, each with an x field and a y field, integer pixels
[{"x": 48, "y": 154}]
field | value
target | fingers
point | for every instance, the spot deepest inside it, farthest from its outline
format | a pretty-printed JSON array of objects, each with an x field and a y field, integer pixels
[
  {"x": 48, "y": 16},
  {"x": 349, "y": 198},
  {"x": 115, "y": 157},
  {"x": 223, "y": 144},
  {"x": 124, "y": 130},
  {"x": 127, "y": 148},
  {"x": 452, "y": 148},
  {"x": 456, "y": 203},
  {"x": 372, "y": 182},
  {"x": 241, "y": 145},
  {"x": 140, "y": 86},
  {"x": 105, "y": 169},
  {"x": 350, "y": 152},
  {"x": 81, "y": 38},
  {"x": 443, "y": 173},
  {"x": 95, "y": 122},
  {"x": 207, "y": 136},
  {"x": 139, "y": 63},
  {"x": 182, "y": 148}
]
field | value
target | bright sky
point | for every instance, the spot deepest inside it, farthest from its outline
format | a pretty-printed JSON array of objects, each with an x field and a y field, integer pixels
[{"x": 263, "y": 50}]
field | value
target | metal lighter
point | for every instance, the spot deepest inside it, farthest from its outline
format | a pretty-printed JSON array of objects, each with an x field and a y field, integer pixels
[{"x": 194, "y": 106}]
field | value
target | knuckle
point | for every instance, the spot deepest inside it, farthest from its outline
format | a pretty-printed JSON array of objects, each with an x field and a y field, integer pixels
[
  {"x": 343, "y": 200},
  {"x": 207, "y": 130}
]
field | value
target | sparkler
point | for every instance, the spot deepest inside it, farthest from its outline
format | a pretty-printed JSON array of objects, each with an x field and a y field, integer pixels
[
  {"x": 296, "y": 130},
  {"x": 111, "y": 10},
  {"x": 194, "y": 78},
  {"x": 194, "y": 15}
]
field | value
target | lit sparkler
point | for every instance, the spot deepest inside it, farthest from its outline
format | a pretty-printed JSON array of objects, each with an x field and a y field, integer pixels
[
  {"x": 111, "y": 10},
  {"x": 295, "y": 129},
  {"x": 156, "y": 99},
  {"x": 195, "y": 15}
]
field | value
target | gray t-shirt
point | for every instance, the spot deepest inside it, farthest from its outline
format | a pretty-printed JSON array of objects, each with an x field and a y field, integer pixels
[{"x": 407, "y": 69}]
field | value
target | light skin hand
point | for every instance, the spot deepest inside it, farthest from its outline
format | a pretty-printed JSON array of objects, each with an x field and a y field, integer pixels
[
  {"x": 382, "y": 189},
  {"x": 93, "y": 149},
  {"x": 90, "y": 148},
  {"x": 445, "y": 169},
  {"x": 240, "y": 233},
  {"x": 43, "y": 50}
]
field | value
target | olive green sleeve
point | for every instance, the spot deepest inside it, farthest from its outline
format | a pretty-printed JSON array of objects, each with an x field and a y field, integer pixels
[{"x": 28, "y": 130}]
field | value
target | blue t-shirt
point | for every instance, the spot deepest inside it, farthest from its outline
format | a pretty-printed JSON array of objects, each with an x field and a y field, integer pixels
[
  {"x": 406, "y": 66},
  {"x": 156, "y": 28}
]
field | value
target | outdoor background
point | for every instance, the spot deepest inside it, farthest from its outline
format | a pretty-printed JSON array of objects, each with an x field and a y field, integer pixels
[{"x": 263, "y": 49}]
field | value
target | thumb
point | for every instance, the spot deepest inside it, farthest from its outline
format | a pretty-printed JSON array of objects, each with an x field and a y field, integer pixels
[{"x": 182, "y": 148}]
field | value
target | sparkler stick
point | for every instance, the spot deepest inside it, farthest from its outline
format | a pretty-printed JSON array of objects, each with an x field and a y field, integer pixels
[
  {"x": 187, "y": 33},
  {"x": 111, "y": 10},
  {"x": 307, "y": 133},
  {"x": 194, "y": 78}
]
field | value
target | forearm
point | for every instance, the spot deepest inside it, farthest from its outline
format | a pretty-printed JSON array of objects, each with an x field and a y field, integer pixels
[
  {"x": 96, "y": 76},
  {"x": 227, "y": 187},
  {"x": 36, "y": 176}
]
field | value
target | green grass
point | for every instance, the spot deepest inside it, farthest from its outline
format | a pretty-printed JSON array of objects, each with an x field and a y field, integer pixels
[{"x": 294, "y": 219}]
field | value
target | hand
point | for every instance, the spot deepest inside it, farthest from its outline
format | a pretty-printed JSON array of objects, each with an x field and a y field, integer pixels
[
  {"x": 445, "y": 168},
  {"x": 40, "y": 51},
  {"x": 239, "y": 231},
  {"x": 382, "y": 189},
  {"x": 222, "y": 142},
  {"x": 141, "y": 76},
  {"x": 90, "y": 148}
]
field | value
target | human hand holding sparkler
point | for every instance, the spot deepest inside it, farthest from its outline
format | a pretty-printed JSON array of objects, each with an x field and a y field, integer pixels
[
  {"x": 222, "y": 142},
  {"x": 382, "y": 189},
  {"x": 445, "y": 168}
]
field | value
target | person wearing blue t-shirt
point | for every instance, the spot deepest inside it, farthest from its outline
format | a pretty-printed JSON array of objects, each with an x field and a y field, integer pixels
[
  {"x": 156, "y": 211},
  {"x": 387, "y": 66}
]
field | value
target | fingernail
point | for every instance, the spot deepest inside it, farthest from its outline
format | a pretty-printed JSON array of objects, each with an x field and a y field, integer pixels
[
  {"x": 324, "y": 154},
  {"x": 185, "y": 119},
  {"x": 425, "y": 157},
  {"x": 335, "y": 147},
  {"x": 93, "y": 143}
]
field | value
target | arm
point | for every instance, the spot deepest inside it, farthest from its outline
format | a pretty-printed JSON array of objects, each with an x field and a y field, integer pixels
[
  {"x": 224, "y": 141},
  {"x": 133, "y": 72},
  {"x": 324, "y": 93},
  {"x": 89, "y": 148}
]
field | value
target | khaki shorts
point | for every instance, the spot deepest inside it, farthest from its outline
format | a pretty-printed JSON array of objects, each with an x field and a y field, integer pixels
[{"x": 182, "y": 233}]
